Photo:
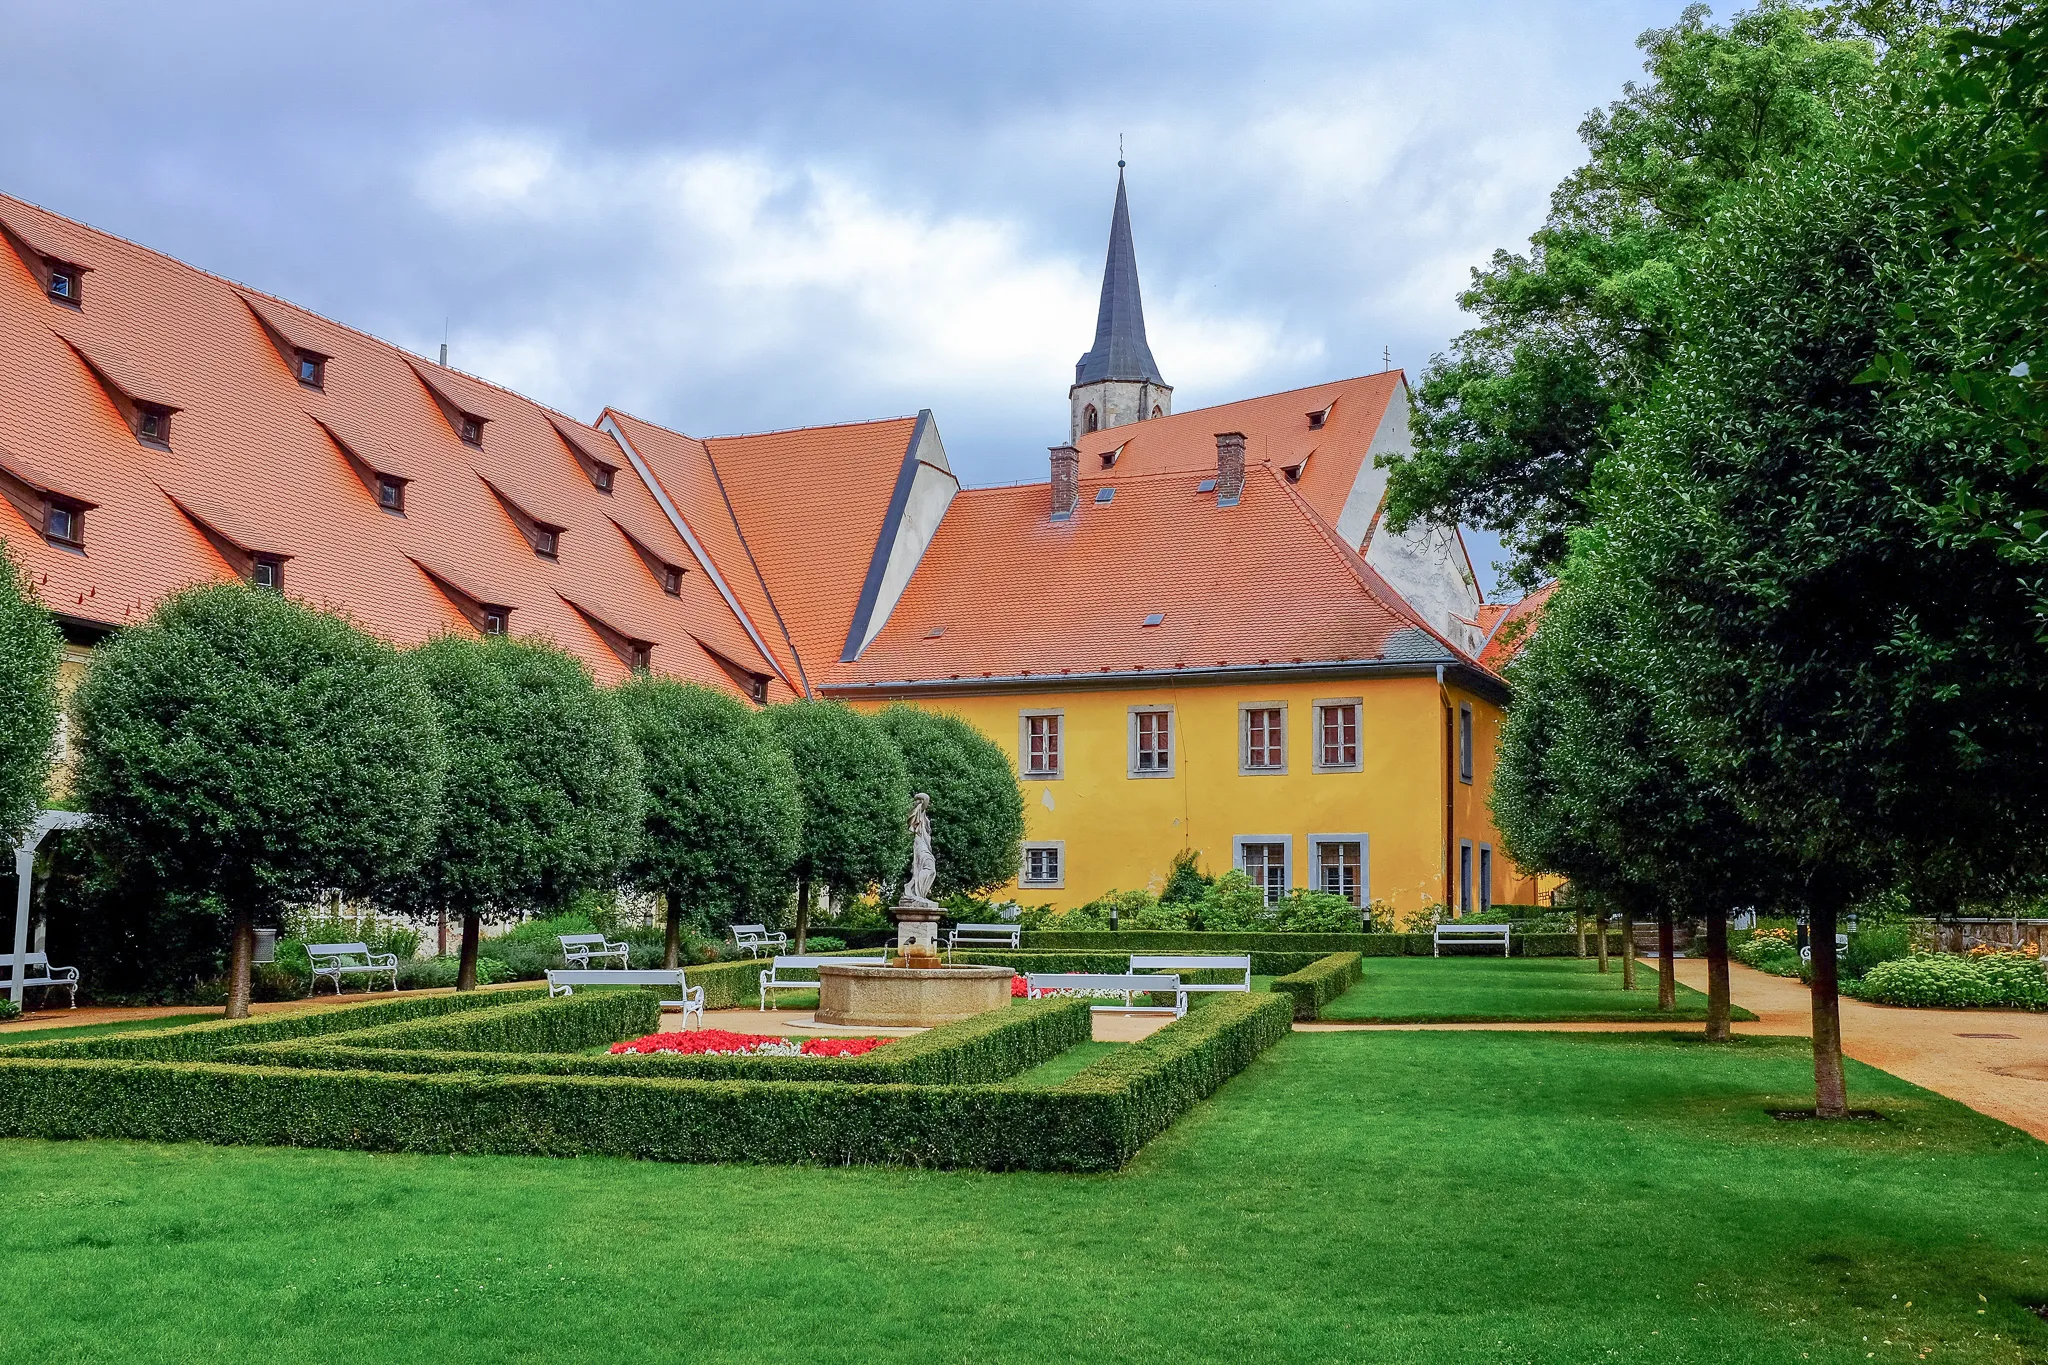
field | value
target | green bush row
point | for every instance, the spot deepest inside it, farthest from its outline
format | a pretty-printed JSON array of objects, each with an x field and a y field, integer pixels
[
  {"x": 193, "y": 1041},
  {"x": 1322, "y": 981},
  {"x": 987, "y": 1047},
  {"x": 1309, "y": 946},
  {"x": 566, "y": 1025},
  {"x": 1953, "y": 981},
  {"x": 1096, "y": 1120},
  {"x": 1263, "y": 963}
]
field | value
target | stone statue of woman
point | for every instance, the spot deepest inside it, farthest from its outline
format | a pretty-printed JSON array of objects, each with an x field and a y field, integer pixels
[{"x": 924, "y": 871}]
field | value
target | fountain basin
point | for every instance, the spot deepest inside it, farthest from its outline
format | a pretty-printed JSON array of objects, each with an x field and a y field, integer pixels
[{"x": 906, "y": 997}]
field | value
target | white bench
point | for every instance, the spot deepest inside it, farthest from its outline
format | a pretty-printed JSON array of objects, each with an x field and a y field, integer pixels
[
  {"x": 984, "y": 936},
  {"x": 1483, "y": 934},
  {"x": 1128, "y": 983},
  {"x": 336, "y": 960},
  {"x": 773, "y": 980},
  {"x": 578, "y": 949},
  {"x": 1199, "y": 963},
  {"x": 562, "y": 981},
  {"x": 34, "y": 969},
  {"x": 755, "y": 937}
]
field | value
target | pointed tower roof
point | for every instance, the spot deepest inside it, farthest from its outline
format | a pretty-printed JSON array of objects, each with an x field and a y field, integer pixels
[{"x": 1120, "y": 350}]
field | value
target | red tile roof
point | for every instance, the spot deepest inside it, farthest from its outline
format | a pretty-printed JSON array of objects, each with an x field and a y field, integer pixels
[
  {"x": 248, "y": 459},
  {"x": 1514, "y": 626}
]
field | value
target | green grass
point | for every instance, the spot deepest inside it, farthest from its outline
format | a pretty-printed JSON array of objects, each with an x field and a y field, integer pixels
[
  {"x": 1055, "y": 1070},
  {"x": 1393, "y": 1197},
  {"x": 19, "y": 1035},
  {"x": 1554, "y": 990}
]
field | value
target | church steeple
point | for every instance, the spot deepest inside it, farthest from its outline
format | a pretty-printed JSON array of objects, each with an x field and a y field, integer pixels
[{"x": 1118, "y": 381}]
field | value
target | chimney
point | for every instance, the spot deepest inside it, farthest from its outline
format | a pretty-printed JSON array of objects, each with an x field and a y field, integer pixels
[
  {"x": 1066, "y": 481},
  {"x": 1229, "y": 467}
]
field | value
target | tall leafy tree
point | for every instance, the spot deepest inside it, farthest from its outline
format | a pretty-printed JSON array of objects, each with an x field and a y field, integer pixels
[
  {"x": 1510, "y": 424},
  {"x": 977, "y": 808},
  {"x": 543, "y": 795},
  {"x": 723, "y": 820},
  {"x": 30, "y": 646},
  {"x": 247, "y": 753},
  {"x": 855, "y": 791}
]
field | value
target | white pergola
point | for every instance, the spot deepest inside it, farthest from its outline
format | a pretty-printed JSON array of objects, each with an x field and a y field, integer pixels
[{"x": 44, "y": 825}]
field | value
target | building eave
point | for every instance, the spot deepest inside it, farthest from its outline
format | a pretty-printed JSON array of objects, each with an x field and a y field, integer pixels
[{"x": 1466, "y": 674}]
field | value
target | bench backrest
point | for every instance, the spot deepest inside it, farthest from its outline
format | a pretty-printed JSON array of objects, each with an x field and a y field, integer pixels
[
  {"x": 749, "y": 930},
  {"x": 1498, "y": 930},
  {"x": 572, "y": 940},
  {"x": 1197, "y": 962},
  {"x": 810, "y": 960},
  {"x": 637, "y": 976},
  {"x": 25, "y": 960},
  {"x": 337, "y": 950},
  {"x": 1101, "y": 981},
  {"x": 1005, "y": 930}
]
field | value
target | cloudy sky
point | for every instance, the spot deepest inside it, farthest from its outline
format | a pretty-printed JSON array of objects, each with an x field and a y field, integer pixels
[{"x": 739, "y": 217}]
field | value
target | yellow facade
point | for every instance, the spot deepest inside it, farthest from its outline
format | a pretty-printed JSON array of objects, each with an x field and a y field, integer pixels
[{"x": 1405, "y": 801}]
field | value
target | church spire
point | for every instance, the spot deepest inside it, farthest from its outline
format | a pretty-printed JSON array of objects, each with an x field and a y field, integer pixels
[{"x": 1118, "y": 381}]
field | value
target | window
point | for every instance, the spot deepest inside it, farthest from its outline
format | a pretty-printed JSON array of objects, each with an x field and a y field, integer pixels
[
  {"x": 1151, "y": 742},
  {"x": 641, "y": 656},
  {"x": 153, "y": 424},
  {"x": 312, "y": 370},
  {"x": 1089, "y": 420},
  {"x": 1263, "y": 858},
  {"x": 390, "y": 494},
  {"x": 1039, "y": 743},
  {"x": 1265, "y": 739},
  {"x": 672, "y": 580},
  {"x": 63, "y": 283},
  {"x": 1340, "y": 865},
  {"x": 471, "y": 430},
  {"x": 1156, "y": 411},
  {"x": 494, "y": 620},
  {"x": 1485, "y": 877},
  {"x": 1044, "y": 864},
  {"x": 1464, "y": 876},
  {"x": 64, "y": 524},
  {"x": 601, "y": 477},
  {"x": 546, "y": 541},
  {"x": 267, "y": 573},
  {"x": 759, "y": 689},
  {"x": 1336, "y": 736},
  {"x": 1464, "y": 743}
]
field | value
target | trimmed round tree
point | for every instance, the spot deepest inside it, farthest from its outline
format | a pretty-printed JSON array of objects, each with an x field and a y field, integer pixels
[
  {"x": 30, "y": 646},
  {"x": 542, "y": 798},
  {"x": 723, "y": 820},
  {"x": 251, "y": 752},
  {"x": 977, "y": 808},
  {"x": 855, "y": 791}
]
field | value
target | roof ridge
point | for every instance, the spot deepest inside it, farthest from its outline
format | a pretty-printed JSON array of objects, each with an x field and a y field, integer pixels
[{"x": 1254, "y": 398}]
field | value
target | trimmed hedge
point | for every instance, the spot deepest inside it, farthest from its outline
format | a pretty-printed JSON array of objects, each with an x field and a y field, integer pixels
[
  {"x": 1309, "y": 947},
  {"x": 1096, "y": 1120},
  {"x": 1263, "y": 963},
  {"x": 988, "y": 1047},
  {"x": 193, "y": 1041},
  {"x": 566, "y": 1025},
  {"x": 1322, "y": 981}
]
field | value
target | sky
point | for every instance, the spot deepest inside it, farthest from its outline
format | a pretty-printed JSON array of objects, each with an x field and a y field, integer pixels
[{"x": 735, "y": 218}]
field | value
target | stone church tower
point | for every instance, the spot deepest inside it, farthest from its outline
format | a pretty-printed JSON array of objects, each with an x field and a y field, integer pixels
[{"x": 1117, "y": 381}]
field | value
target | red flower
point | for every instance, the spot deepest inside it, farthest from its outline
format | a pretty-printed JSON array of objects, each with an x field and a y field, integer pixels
[{"x": 1019, "y": 987}]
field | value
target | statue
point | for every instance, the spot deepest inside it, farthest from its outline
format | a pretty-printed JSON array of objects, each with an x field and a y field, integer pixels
[{"x": 924, "y": 871}]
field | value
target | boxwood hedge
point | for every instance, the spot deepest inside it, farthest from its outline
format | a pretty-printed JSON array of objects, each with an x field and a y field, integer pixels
[
  {"x": 1309, "y": 946},
  {"x": 1322, "y": 981}
]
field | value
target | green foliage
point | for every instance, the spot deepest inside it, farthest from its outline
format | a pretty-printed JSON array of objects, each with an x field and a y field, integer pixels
[
  {"x": 1771, "y": 950},
  {"x": 977, "y": 808},
  {"x": 30, "y": 646},
  {"x": 1235, "y": 904},
  {"x": 570, "y": 1024},
  {"x": 1316, "y": 912},
  {"x": 724, "y": 817},
  {"x": 1185, "y": 881},
  {"x": 1953, "y": 981},
  {"x": 8, "y": 1010},
  {"x": 855, "y": 793},
  {"x": 1322, "y": 981},
  {"x": 543, "y": 796},
  {"x": 1874, "y": 944}
]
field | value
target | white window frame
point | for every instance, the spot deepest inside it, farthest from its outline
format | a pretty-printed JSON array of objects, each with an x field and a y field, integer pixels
[
  {"x": 1315, "y": 746},
  {"x": 1172, "y": 741},
  {"x": 1024, "y": 771},
  {"x": 1059, "y": 851},
  {"x": 1286, "y": 842},
  {"x": 1485, "y": 875},
  {"x": 1315, "y": 862},
  {"x": 1244, "y": 739},
  {"x": 1466, "y": 763},
  {"x": 1466, "y": 875}
]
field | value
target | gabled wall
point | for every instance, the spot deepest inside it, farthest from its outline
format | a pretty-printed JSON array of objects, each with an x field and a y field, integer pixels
[{"x": 924, "y": 490}]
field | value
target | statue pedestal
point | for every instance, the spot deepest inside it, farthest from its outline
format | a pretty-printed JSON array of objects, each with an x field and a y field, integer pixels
[
  {"x": 900, "y": 997},
  {"x": 917, "y": 927}
]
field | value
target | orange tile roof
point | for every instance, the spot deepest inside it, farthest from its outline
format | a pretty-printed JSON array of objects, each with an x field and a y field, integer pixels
[
  {"x": 248, "y": 460},
  {"x": 1005, "y": 592},
  {"x": 1514, "y": 626},
  {"x": 1276, "y": 430}
]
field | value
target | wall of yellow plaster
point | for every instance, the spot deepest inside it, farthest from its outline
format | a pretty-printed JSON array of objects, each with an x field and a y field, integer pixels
[{"x": 1122, "y": 832}]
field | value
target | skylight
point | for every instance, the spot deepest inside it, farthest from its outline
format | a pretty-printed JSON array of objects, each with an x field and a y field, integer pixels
[
  {"x": 1206, "y": 486},
  {"x": 1104, "y": 494},
  {"x": 1156, "y": 618}
]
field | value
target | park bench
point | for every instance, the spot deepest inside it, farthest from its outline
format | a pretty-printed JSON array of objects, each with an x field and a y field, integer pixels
[
  {"x": 1126, "y": 983},
  {"x": 578, "y": 949},
  {"x": 1483, "y": 934},
  {"x": 1199, "y": 962},
  {"x": 333, "y": 961},
  {"x": 34, "y": 970},
  {"x": 983, "y": 936},
  {"x": 564, "y": 980},
  {"x": 1841, "y": 942},
  {"x": 755, "y": 937},
  {"x": 774, "y": 980}
]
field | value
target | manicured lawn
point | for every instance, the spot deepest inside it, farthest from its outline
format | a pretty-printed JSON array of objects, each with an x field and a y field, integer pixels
[
  {"x": 1411, "y": 990},
  {"x": 17, "y": 1035},
  {"x": 1393, "y": 1197}
]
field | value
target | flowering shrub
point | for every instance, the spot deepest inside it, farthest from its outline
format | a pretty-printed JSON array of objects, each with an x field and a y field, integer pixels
[
  {"x": 1769, "y": 950},
  {"x": 1998, "y": 977},
  {"x": 718, "y": 1042},
  {"x": 1020, "y": 989}
]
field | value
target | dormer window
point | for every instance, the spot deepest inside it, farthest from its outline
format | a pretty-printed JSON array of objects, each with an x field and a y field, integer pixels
[
  {"x": 312, "y": 370},
  {"x": 267, "y": 572},
  {"x": 672, "y": 580},
  {"x": 640, "y": 656},
  {"x": 545, "y": 542},
  {"x": 63, "y": 283},
  {"x": 471, "y": 430},
  {"x": 390, "y": 493},
  {"x": 65, "y": 525},
  {"x": 153, "y": 424},
  {"x": 601, "y": 478},
  {"x": 494, "y": 620},
  {"x": 1320, "y": 418},
  {"x": 759, "y": 691}
]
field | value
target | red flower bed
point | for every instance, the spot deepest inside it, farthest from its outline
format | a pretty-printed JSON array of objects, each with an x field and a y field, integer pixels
[
  {"x": 718, "y": 1042},
  {"x": 1019, "y": 988}
]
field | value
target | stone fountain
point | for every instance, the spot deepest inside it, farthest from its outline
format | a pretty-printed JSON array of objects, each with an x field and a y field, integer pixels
[{"x": 916, "y": 989}]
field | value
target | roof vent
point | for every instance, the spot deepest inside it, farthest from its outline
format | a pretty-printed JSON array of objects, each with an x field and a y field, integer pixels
[
  {"x": 935, "y": 632},
  {"x": 1156, "y": 618},
  {"x": 1104, "y": 494}
]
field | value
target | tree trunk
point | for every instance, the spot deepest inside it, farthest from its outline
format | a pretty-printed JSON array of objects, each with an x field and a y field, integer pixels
[
  {"x": 441, "y": 934},
  {"x": 672, "y": 942},
  {"x": 1717, "y": 974},
  {"x": 1601, "y": 924},
  {"x": 803, "y": 911},
  {"x": 1628, "y": 950},
  {"x": 472, "y": 932},
  {"x": 1579, "y": 925},
  {"x": 1667, "y": 962},
  {"x": 241, "y": 951},
  {"x": 1830, "y": 1092}
]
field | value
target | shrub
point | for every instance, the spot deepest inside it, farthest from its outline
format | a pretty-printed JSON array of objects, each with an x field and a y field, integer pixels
[
  {"x": 1235, "y": 904},
  {"x": 1322, "y": 981},
  {"x": 825, "y": 943},
  {"x": 8, "y": 1009},
  {"x": 1881, "y": 943},
  {"x": 1185, "y": 881},
  {"x": 569, "y": 1024},
  {"x": 1951, "y": 981},
  {"x": 1318, "y": 912}
]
